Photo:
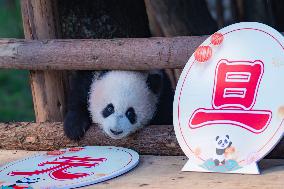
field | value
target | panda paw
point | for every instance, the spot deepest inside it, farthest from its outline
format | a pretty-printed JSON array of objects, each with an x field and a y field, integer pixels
[{"x": 76, "y": 124}]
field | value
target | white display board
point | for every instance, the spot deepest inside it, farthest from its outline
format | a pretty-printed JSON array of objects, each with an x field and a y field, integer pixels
[
  {"x": 229, "y": 101},
  {"x": 68, "y": 168}
]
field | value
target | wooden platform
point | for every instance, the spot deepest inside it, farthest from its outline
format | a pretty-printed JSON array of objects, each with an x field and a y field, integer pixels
[{"x": 164, "y": 172}]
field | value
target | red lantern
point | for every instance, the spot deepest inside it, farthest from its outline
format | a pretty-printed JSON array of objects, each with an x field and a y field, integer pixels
[
  {"x": 203, "y": 53},
  {"x": 217, "y": 38}
]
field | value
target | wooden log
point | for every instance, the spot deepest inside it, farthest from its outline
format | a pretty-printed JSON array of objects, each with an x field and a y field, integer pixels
[
  {"x": 130, "y": 54},
  {"x": 154, "y": 139},
  {"x": 48, "y": 87}
]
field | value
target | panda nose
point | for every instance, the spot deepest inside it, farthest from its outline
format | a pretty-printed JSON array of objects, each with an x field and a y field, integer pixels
[{"x": 116, "y": 132}]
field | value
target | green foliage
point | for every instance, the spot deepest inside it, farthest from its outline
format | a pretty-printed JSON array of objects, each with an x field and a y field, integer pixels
[
  {"x": 10, "y": 19},
  {"x": 15, "y": 95}
]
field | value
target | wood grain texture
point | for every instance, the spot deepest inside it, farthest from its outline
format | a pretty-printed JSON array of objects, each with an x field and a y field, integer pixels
[
  {"x": 80, "y": 54},
  {"x": 154, "y": 139},
  {"x": 164, "y": 172},
  {"x": 48, "y": 87}
]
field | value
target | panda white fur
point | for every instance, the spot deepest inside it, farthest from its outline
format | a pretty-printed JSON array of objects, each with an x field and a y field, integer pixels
[
  {"x": 221, "y": 143},
  {"x": 120, "y": 102}
]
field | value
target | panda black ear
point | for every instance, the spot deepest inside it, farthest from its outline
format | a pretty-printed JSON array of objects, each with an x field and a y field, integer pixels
[
  {"x": 217, "y": 138},
  {"x": 227, "y": 136},
  {"x": 154, "y": 82},
  {"x": 102, "y": 73}
]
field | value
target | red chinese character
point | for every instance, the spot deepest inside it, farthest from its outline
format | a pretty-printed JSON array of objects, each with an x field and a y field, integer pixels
[
  {"x": 62, "y": 164},
  {"x": 234, "y": 94}
]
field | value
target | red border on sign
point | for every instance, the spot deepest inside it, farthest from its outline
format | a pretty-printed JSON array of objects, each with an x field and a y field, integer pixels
[
  {"x": 187, "y": 72},
  {"x": 78, "y": 180}
]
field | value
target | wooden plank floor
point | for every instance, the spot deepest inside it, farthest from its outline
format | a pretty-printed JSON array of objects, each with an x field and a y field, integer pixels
[{"x": 164, "y": 172}]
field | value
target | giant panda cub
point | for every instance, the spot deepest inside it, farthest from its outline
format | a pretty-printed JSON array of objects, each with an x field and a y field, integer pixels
[{"x": 119, "y": 102}]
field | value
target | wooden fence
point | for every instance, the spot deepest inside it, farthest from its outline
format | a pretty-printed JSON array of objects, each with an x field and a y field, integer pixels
[
  {"x": 126, "y": 54},
  {"x": 48, "y": 60}
]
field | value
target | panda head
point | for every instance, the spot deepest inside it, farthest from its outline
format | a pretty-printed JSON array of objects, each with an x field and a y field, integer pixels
[
  {"x": 222, "y": 142},
  {"x": 121, "y": 102}
]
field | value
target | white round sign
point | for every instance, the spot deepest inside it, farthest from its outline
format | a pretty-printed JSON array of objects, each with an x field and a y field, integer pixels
[
  {"x": 229, "y": 105},
  {"x": 68, "y": 168}
]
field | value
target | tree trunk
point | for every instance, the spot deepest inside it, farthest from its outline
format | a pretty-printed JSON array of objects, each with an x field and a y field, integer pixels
[{"x": 179, "y": 18}]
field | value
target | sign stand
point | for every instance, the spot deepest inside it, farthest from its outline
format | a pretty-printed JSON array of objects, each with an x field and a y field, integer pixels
[{"x": 249, "y": 169}]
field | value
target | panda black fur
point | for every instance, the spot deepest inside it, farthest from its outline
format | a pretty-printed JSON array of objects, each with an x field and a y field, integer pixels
[
  {"x": 120, "y": 102},
  {"x": 222, "y": 143}
]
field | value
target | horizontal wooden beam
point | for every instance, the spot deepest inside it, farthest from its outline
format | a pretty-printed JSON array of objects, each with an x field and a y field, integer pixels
[
  {"x": 97, "y": 54},
  {"x": 154, "y": 139}
]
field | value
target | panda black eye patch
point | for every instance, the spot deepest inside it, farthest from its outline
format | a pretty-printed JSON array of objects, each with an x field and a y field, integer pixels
[
  {"x": 131, "y": 115},
  {"x": 109, "y": 109}
]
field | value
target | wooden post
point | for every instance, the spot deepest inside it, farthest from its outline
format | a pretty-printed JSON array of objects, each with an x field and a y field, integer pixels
[{"x": 48, "y": 87}]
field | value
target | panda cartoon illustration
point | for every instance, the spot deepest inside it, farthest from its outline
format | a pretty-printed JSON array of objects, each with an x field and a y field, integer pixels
[
  {"x": 221, "y": 143},
  {"x": 119, "y": 102},
  {"x": 28, "y": 180}
]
